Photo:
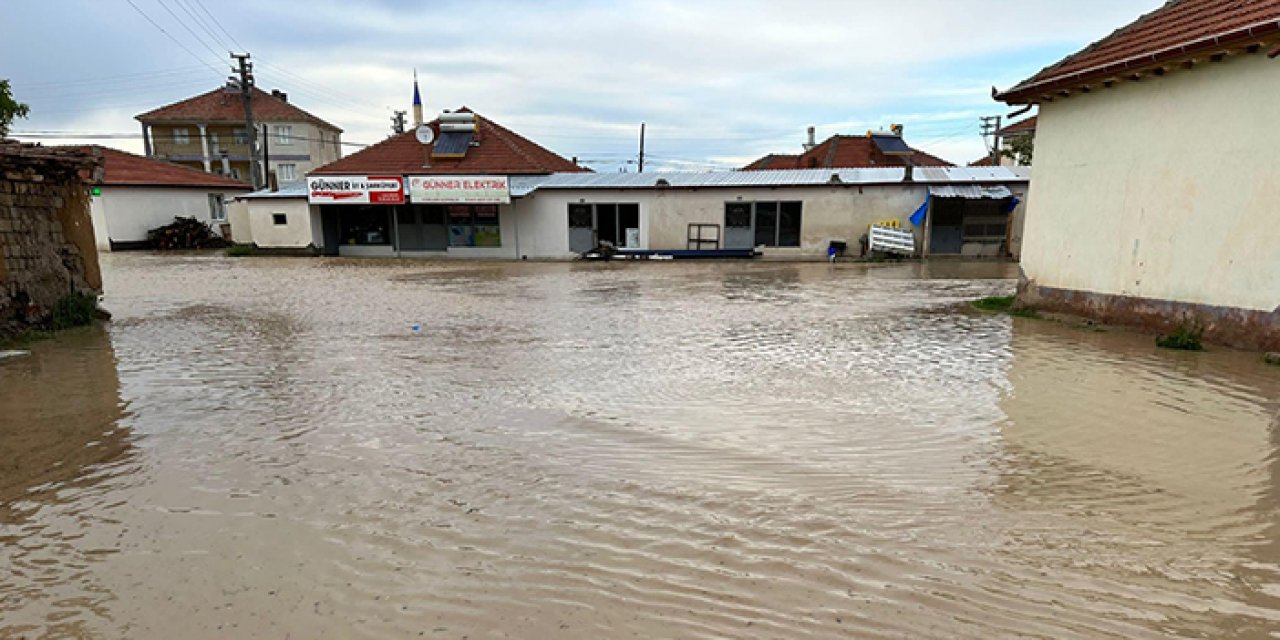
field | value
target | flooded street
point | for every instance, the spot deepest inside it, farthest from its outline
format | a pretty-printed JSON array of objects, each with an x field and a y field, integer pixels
[{"x": 267, "y": 448}]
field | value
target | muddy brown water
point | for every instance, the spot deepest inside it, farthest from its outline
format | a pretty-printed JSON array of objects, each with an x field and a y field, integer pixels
[{"x": 265, "y": 448}]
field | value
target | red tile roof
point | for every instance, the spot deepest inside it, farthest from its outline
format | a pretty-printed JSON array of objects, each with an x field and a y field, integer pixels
[
  {"x": 774, "y": 161},
  {"x": 499, "y": 151},
  {"x": 1027, "y": 125},
  {"x": 1179, "y": 29},
  {"x": 221, "y": 105},
  {"x": 984, "y": 161},
  {"x": 841, "y": 151},
  {"x": 121, "y": 168}
]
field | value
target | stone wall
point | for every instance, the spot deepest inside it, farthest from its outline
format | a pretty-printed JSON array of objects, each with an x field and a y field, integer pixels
[{"x": 46, "y": 237}]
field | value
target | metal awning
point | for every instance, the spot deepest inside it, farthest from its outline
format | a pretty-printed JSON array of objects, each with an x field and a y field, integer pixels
[{"x": 970, "y": 191}]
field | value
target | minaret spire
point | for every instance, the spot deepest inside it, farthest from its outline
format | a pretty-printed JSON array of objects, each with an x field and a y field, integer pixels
[{"x": 417, "y": 101}]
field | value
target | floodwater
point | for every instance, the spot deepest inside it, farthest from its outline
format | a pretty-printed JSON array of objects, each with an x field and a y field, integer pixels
[{"x": 266, "y": 448}]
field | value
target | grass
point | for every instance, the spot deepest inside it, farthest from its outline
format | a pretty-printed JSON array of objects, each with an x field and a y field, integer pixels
[
  {"x": 1003, "y": 304},
  {"x": 1186, "y": 337},
  {"x": 24, "y": 339},
  {"x": 240, "y": 250},
  {"x": 75, "y": 310}
]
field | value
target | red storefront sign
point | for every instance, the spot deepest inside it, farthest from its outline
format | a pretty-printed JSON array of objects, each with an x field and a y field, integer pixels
[{"x": 355, "y": 190}]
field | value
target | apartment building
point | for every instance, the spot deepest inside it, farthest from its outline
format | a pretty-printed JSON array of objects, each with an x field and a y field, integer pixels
[{"x": 208, "y": 132}]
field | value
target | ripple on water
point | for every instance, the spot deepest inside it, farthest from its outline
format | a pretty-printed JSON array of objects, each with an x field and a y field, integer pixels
[{"x": 669, "y": 450}]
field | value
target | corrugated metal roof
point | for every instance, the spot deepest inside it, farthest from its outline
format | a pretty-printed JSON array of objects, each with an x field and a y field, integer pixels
[
  {"x": 970, "y": 191},
  {"x": 524, "y": 185},
  {"x": 287, "y": 190}
]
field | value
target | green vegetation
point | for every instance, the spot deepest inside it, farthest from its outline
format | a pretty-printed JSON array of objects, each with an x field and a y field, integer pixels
[
  {"x": 75, "y": 310},
  {"x": 1272, "y": 357},
  {"x": 997, "y": 303},
  {"x": 1020, "y": 149},
  {"x": 240, "y": 250},
  {"x": 1003, "y": 304},
  {"x": 9, "y": 108},
  {"x": 24, "y": 339},
  {"x": 1186, "y": 337}
]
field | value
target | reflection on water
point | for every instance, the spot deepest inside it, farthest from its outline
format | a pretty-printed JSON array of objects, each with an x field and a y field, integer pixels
[
  {"x": 584, "y": 451},
  {"x": 62, "y": 451}
]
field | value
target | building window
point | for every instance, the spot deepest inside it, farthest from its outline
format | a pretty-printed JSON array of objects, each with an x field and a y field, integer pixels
[
  {"x": 217, "y": 208},
  {"x": 241, "y": 135},
  {"x": 617, "y": 224},
  {"x": 284, "y": 134},
  {"x": 365, "y": 225},
  {"x": 771, "y": 224},
  {"x": 279, "y": 219},
  {"x": 235, "y": 173},
  {"x": 474, "y": 225},
  {"x": 181, "y": 135},
  {"x": 287, "y": 172}
]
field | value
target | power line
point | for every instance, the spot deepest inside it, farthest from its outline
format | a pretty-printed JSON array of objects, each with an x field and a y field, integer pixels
[
  {"x": 200, "y": 22},
  {"x": 175, "y": 40},
  {"x": 110, "y": 79},
  {"x": 219, "y": 25},
  {"x": 183, "y": 24},
  {"x": 53, "y": 134}
]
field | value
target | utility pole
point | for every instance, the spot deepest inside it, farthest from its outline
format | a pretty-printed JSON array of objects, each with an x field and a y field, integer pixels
[
  {"x": 246, "y": 90},
  {"x": 991, "y": 127},
  {"x": 268, "y": 181},
  {"x": 397, "y": 122},
  {"x": 641, "y": 170}
]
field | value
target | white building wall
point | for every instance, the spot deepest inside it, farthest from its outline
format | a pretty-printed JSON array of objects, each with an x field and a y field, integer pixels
[
  {"x": 125, "y": 214},
  {"x": 299, "y": 230},
  {"x": 828, "y": 213},
  {"x": 1164, "y": 188}
]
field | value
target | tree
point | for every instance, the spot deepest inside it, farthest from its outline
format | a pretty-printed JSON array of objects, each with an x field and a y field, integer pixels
[
  {"x": 1019, "y": 148},
  {"x": 9, "y": 108}
]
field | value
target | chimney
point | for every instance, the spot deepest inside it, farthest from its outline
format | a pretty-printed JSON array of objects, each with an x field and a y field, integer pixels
[
  {"x": 811, "y": 143},
  {"x": 908, "y": 174},
  {"x": 284, "y": 97},
  {"x": 896, "y": 129}
]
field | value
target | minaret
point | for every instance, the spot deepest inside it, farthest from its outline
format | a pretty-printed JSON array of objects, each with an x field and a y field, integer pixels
[{"x": 417, "y": 102}]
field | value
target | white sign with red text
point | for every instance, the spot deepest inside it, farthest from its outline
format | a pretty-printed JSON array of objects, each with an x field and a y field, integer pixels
[
  {"x": 355, "y": 190},
  {"x": 459, "y": 189}
]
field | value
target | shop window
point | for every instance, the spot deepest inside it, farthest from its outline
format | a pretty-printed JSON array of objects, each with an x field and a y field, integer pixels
[
  {"x": 279, "y": 219},
  {"x": 611, "y": 222},
  {"x": 474, "y": 225},
  {"x": 769, "y": 224},
  {"x": 367, "y": 225}
]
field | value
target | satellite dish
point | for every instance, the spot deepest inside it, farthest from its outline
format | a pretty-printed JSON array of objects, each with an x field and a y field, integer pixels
[{"x": 425, "y": 134}]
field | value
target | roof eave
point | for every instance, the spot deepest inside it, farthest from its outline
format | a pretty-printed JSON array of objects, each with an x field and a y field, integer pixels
[{"x": 1027, "y": 92}]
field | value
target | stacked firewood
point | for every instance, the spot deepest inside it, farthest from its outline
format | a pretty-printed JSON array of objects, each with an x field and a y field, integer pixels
[{"x": 184, "y": 233}]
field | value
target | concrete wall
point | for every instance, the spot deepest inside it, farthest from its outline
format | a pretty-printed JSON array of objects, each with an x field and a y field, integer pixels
[
  {"x": 1162, "y": 189},
  {"x": 125, "y": 214},
  {"x": 301, "y": 228}
]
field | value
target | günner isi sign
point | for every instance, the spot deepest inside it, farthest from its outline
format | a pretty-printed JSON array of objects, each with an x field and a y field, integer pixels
[
  {"x": 459, "y": 189},
  {"x": 355, "y": 190}
]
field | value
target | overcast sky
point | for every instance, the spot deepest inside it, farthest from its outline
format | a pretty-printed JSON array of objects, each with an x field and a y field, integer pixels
[{"x": 719, "y": 83}]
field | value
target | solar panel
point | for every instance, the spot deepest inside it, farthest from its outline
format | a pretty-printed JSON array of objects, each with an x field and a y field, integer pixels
[
  {"x": 452, "y": 144},
  {"x": 892, "y": 145}
]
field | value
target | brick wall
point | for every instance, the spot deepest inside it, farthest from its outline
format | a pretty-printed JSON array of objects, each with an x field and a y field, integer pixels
[{"x": 46, "y": 237}]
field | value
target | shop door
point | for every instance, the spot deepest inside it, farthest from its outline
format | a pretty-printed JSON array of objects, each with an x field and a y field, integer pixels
[
  {"x": 946, "y": 233},
  {"x": 433, "y": 231},
  {"x": 738, "y": 230},
  {"x": 581, "y": 228}
]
